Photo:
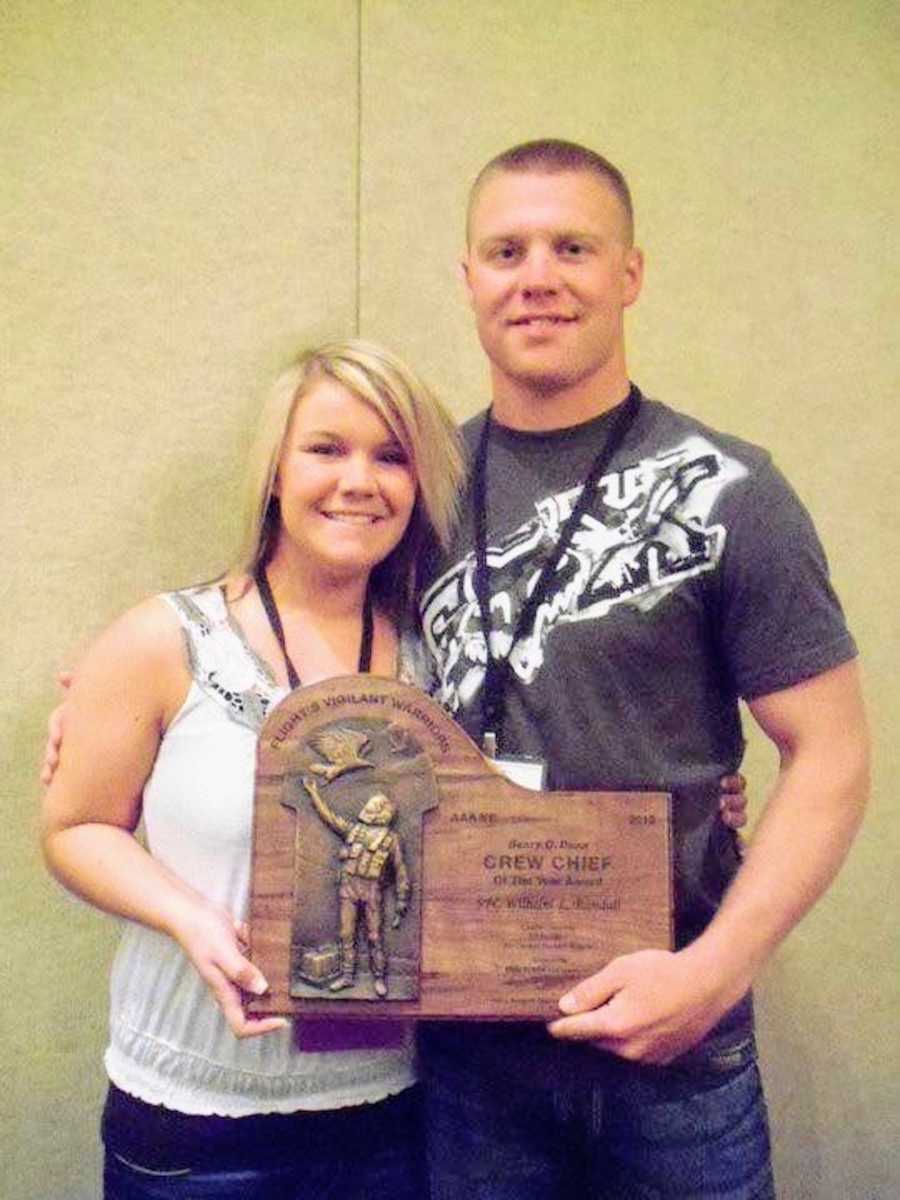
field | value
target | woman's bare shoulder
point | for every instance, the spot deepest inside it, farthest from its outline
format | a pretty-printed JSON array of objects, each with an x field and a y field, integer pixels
[
  {"x": 148, "y": 630},
  {"x": 139, "y": 656}
]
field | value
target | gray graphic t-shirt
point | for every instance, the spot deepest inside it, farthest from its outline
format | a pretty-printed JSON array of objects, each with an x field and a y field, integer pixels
[{"x": 694, "y": 579}]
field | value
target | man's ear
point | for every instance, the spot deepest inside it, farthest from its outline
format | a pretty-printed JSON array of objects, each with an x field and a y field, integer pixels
[
  {"x": 462, "y": 274},
  {"x": 634, "y": 275}
]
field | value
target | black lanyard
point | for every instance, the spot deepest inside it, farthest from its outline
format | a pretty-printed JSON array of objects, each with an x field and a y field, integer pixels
[
  {"x": 496, "y": 675},
  {"x": 268, "y": 600}
]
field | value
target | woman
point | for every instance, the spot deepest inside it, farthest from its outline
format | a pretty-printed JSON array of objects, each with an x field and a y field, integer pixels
[{"x": 355, "y": 465}]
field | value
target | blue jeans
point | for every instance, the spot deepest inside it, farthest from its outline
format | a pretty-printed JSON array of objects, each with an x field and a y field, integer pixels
[
  {"x": 637, "y": 1133},
  {"x": 366, "y": 1152}
]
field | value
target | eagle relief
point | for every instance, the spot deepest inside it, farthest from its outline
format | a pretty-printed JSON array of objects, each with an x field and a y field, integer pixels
[{"x": 358, "y": 789}]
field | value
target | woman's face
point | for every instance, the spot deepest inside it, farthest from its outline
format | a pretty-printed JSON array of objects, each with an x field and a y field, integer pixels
[{"x": 344, "y": 483}]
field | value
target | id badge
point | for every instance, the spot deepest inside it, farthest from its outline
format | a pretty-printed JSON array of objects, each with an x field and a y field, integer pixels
[
  {"x": 526, "y": 772},
  {"x": 523, "y": 769}
]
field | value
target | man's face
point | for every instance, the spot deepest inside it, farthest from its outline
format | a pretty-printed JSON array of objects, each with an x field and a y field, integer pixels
[{"x": 550, "y": 271}]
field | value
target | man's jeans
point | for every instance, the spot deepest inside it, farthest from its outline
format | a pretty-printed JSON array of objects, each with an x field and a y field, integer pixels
[{"x": 643, "y": 1133}]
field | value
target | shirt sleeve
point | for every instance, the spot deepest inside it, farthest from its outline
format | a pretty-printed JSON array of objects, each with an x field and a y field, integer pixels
[{"x": 779, "y": 620}]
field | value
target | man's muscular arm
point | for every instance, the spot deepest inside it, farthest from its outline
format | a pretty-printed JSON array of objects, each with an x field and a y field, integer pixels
[{"x": 654, "y": 1005}]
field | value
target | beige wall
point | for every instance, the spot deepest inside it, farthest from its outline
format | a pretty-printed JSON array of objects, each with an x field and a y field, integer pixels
[
  {"x": 182, "y": 211},
  {"x": 183, "y": 207}
]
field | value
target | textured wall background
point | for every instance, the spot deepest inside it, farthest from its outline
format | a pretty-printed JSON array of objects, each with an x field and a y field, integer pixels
[
  {"x": 181, "y": 212},
  {"x": 182, "y": 206}
]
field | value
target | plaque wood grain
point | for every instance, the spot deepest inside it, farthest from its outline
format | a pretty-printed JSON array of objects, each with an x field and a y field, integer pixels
[{"x": 513, "y": 895}]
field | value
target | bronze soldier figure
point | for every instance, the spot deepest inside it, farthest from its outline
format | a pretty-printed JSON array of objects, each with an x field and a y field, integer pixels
[{"x": 369, "y": 846}]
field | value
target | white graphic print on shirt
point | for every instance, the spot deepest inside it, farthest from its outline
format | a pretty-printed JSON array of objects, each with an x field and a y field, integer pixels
[{"x": 647, "y": 532}]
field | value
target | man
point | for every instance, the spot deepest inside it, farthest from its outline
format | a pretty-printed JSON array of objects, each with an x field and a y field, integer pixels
[{"x": 611, "y": 639}]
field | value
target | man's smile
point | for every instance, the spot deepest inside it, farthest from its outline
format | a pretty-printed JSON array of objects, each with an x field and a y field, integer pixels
[{"x": 538, "y": 319}]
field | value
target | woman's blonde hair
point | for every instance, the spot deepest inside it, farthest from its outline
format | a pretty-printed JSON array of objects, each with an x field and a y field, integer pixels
[{"x": 416, "y": 419}]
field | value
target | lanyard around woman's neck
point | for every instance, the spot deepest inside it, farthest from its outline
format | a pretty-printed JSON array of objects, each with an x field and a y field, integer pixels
[
  {"x": 497, "y": 670},
  {"x": 268, "y": 601}
]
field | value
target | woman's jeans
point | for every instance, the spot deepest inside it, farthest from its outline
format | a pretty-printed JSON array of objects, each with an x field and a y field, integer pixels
[{"x": 363, "y": 1152}]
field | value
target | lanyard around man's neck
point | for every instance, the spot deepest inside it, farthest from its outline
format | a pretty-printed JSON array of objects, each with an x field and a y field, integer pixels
[{"x": 497, "y": 670}]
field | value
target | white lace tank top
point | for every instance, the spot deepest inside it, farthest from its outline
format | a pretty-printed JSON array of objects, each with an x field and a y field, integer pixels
[{"x": 169, "y": 1043}]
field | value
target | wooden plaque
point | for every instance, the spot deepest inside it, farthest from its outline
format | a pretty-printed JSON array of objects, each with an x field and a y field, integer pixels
[{"x": 397, "y": 872}]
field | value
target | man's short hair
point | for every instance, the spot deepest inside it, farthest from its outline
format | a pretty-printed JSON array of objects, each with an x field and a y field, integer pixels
[{"x": 552, "y": 156}]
